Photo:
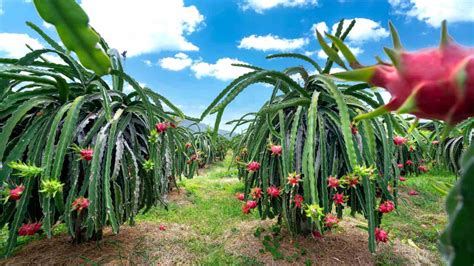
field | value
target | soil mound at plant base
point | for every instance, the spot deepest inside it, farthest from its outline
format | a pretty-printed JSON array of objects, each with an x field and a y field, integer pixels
[
  {"x": 346, "y": 246},
  {"x": 141, "y": 244}
]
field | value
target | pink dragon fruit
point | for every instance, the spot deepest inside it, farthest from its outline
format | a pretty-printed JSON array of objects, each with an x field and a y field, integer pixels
[
  {"x": 253, "y": 166},
  {"x": 29, "y": 229},
  {"x": 413, "y": 192},
  {"x": 330, "y": 220},
  {"x": 80, "y": 204},
  {"x": 273, "y": 192},
  {"x": 435, "y": 142},
  {"x": 381, "y": 235},
  {"x": 298, "y": 200},
  {"x": 245, "y": 209},
  {"x": 161, "y": 127},
  {"x": 251, "y": 204},
  {"x": 409, "y": 162},
  {"x": 240, "y": 196},
  {"x": 387, "y": 206},
  {"x": 86, "y": 154},
  {"x": 15, "y": 194},
  {"x": 400, "y": 165},
  {"x": 162, "y": 227},
  {"x": 399, "y": 140},
  {"x": 423, "y": 168},
  {"x": 333, "y": 182},
  {"x": 338, "y": 199},
  {"x": 276, "y": 150},
  {"x": 188, "y": 145},
  {"x": 354, "y": 129},
  {"x": 403, "y": 179},
  {"x": 294, "y": 179},
  {"x": 434, "y": 83}
]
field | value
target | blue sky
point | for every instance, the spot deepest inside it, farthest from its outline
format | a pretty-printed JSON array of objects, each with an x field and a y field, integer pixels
[{"x": 183, "y": 49}]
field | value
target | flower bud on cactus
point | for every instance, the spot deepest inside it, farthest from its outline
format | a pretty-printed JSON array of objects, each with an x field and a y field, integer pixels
[
  {"x": 256, "y": 193},
  {"x": 153, "y": 137},
  {"x": 148, "y": 165},
  {"x": 51, "y": 186},
  {"x": 434, "y": 83}
]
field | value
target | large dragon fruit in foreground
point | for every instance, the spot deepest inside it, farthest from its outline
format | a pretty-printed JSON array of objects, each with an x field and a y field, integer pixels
[{"x": 434, "y": 83}]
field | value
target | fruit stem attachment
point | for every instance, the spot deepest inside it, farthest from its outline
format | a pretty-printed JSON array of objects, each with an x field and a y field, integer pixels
[{"x": 377, "y": 112}]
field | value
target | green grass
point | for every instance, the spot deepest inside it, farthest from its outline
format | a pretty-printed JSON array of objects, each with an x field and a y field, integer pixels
[
  {"x": 213, "y": 211},
  {"x": 421, "y": 218}
]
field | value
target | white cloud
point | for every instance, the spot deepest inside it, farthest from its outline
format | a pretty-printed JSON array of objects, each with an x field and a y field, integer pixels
[
  {"x": 322, "y": 27},
  {"x": 148, "y": 63},
  {"x": 1, "y": 8},
  {"x": 336, "y": 70},
  {"x": 222, "y": 69},
  {"x": 270, "y": 42},
  {"x": 364, "y": 30},
  {"x": 260, "y": 6},
  {"x": 179, "y": 62},
  {"x": 13, "y": 45},
  {"x": 433, "y": 12},
  {"x": 144, "y": 26}
]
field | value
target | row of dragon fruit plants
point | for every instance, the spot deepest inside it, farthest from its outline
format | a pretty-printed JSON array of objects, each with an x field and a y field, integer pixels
[
  {"x": 79, "y": 150},
  {"x": 329, "y": 144},
  {"x": 75, "y": 147}
]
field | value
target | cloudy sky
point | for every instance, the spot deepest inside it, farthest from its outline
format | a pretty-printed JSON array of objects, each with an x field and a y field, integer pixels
[{"x": 184, "y": 49}]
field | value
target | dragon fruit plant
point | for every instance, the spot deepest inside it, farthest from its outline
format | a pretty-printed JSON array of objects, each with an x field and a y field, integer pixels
[
  {"x": 84, "y": 140},
  {"x": 437, "y": 84},
  {"x": 325, "y": 164}
]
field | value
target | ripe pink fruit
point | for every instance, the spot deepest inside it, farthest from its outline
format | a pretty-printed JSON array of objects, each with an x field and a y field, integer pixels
[
  {"x": 276, "y": 150},
  {"x": 381, "y": 235},
  {"x": 354, "y": 129},
  {"x": 413, "y": 192},
  {"x": 333, "y": 182},
  {"x": 338, "y": 198},
  {"x": 435, "y": 142},
  {"x": 386, "y": 207},
  {"x": 273, "y": 191},
  {"x": 397, "y": 140},
  {"x": 423, "y": 168},
  {"x": 400, "y": 165},
  {"x": 161, "y": 127},
  {"x": 80, "y": 204},
  {"x": 409, "y": 162},
  {"x": 353, "y": 181},
  {"x": 245, "y": 209},
  {"x": 15, "y": 194},
  {"x": 251, "y": 204},
  {"x": 86, "y": 154},
  {"x": 298, "y": 200},
  {"x": 253, "y": 166},
  {"x": 194, "y": 157},
  {"x": 29, "y": 229},
  {"x": 162, "y": 227},
  {"x": 330, "y": 220},
  {"x": 188, "y": 145},
  {"x": 240, "y": 196},
  {"x": 401, "y": 178},
  {"x": 256, "y": 192},
  {"x": 433, "y": 83},
  {"x": 316, "y": 234},
  {"x": 294, "y": 179}
]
